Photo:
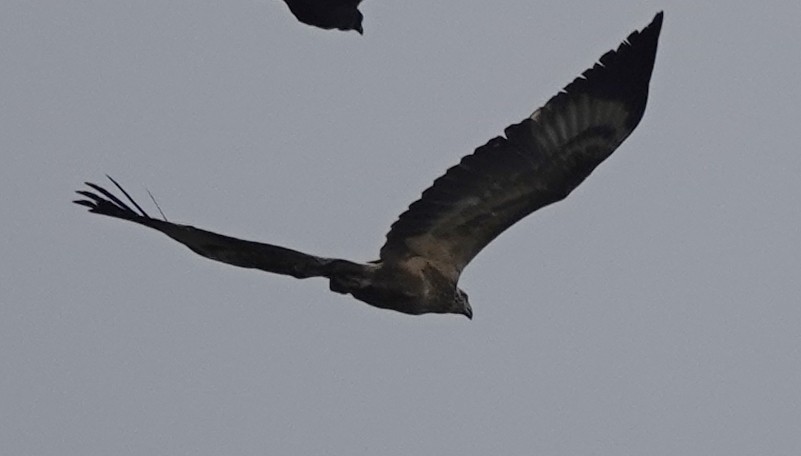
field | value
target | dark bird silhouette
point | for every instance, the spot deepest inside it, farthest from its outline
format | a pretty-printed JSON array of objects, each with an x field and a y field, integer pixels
[
  {"x": 328, "y": 14},
  {"x": 540, "y": 161}
]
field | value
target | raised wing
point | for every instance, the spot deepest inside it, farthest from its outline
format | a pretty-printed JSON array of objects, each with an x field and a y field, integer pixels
[
  {"x": 540, "y": 161},
  {"x": 238, "y": 252}
]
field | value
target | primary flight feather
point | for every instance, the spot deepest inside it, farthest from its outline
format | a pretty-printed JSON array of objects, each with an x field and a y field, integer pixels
[{"x": 539, "y": 161}]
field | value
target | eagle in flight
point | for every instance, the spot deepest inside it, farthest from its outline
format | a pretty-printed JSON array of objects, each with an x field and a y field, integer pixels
[
  {"x": 328, "y": 14},
  {"x": 538, "y": 162}
]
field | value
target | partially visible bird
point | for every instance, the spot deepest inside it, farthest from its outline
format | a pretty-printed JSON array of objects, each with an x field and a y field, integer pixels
[
  {"x": 328, "y": 14},
  {"x": 539, "y": 162}
]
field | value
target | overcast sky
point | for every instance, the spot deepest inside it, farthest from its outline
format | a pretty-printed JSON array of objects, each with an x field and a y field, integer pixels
[{"x": 655, "y": 311}]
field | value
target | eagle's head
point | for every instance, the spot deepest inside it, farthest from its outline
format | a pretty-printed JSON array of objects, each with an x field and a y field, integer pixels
[
  {"x": 346, "y": 17},
  {"x": 463, "y": 304},
  {"x": 357, "y": 22}
]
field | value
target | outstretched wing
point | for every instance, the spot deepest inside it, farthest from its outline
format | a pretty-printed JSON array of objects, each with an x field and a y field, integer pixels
[
  {"x": 238, "y": 252},
  {"x": 540, "y": 161}
]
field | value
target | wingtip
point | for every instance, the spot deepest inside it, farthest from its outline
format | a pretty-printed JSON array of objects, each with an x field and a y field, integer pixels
[
  {"x": 651, "y": 30},
  {"x": 657, "y": 20},
  {"x": 659, "y": 15},
  {"x": 84, "y": 203}
]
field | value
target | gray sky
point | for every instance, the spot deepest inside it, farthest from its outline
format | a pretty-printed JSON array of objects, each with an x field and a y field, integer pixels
[{"x": 655, "y": 311}]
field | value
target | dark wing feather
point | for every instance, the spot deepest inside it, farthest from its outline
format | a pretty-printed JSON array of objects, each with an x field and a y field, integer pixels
[
  {"x": 540, "y": 161},
  {"x": 238, "y": 252}
]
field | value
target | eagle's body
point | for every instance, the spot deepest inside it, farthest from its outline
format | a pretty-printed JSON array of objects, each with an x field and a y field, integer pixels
[
  {"x": 328, "y": 14},
  {"x": 414, "y": 286},
  {"x": 539, "y": 161}
]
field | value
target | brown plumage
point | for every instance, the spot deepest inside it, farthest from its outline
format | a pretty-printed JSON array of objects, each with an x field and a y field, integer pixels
[{"x": 538, "y": 162}]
